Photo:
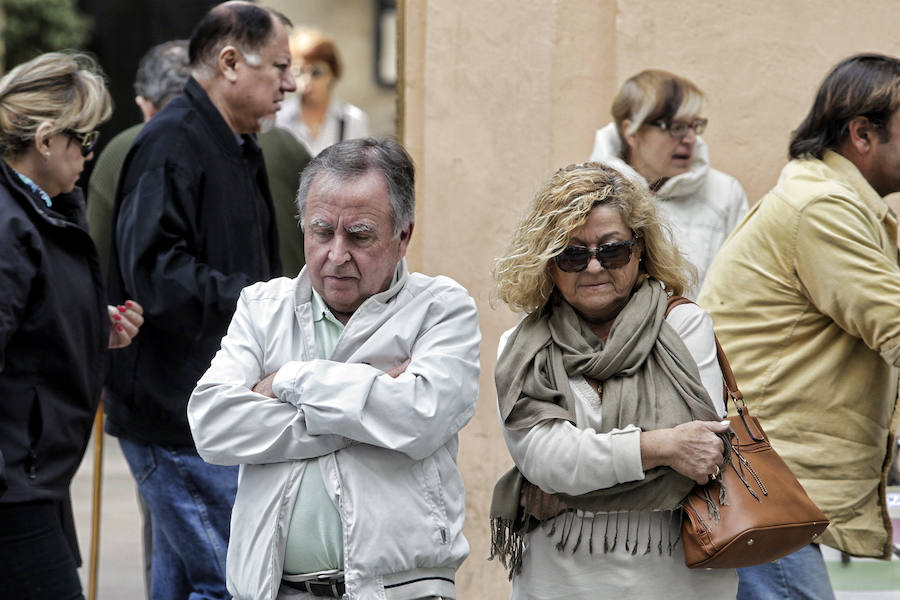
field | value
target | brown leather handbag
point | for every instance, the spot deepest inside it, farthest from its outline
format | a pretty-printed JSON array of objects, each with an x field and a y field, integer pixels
[{"x": 766, "y": 513}]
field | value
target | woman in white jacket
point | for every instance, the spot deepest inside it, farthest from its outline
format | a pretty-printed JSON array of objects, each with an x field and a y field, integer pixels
[
  {"x": 655, "y": 141},
  {"x": 315, "y": 115}
]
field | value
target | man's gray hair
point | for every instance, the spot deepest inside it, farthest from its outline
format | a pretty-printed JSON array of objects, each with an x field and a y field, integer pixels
[
  {"x": 351, "y": 159},
  {"x": 162, "y": 72}
]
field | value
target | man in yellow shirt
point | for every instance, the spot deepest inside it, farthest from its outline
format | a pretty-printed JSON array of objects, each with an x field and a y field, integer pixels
[{"x": 805, "y": 295}]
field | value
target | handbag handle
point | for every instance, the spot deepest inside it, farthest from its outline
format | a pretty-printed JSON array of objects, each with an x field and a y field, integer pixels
[{"x": 728, "y": 380}]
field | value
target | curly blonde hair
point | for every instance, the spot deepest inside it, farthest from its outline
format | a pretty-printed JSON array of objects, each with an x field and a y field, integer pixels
[
  {"x": 560, "y": 208},
  {"x": 66, "y": 89}
]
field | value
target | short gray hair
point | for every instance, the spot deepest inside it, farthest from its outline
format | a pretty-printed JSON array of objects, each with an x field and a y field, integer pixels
[
  {"x": 351, "y": 159},
  {"x": 162, "y": 72}
]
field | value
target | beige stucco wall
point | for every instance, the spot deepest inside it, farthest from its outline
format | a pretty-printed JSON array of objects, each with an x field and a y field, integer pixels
[{"x": 497, "y": 95}]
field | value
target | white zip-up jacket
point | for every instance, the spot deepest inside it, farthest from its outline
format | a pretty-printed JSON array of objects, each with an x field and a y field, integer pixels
[{"x": 386, "y": 446}]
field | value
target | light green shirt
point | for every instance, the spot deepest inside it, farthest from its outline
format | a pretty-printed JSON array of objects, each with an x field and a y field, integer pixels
[{"x": 315, "y": 535}]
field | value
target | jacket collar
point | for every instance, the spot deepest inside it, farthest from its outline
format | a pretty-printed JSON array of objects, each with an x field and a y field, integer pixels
[
  {"x": 608, "y": 150},
  {"x": 69, "y": 207},
  {"x": 849, "y": 173},
  {"x": 225, "y": 136},
  {"x": 303, "y": 287}
]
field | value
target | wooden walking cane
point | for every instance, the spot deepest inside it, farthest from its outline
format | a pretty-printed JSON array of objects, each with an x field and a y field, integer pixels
[{"x": 95, "y": 502}]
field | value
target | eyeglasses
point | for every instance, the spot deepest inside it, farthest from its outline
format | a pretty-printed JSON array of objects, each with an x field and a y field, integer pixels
[
  {"x": 616, "y": 255},
  {"x": 87, "y": 140},
  {"x": 313, "y": 71},
  {"x": 679, "y": 129}
]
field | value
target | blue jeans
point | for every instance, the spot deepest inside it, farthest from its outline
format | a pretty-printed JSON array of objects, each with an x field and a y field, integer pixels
[
  {"x": 798, "y": 576},
  {"x": 190, "y": 507}
]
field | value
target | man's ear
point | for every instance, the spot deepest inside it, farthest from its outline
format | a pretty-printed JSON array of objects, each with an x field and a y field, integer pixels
[
  {"x": 147, "y": 107},
  {"x": 227, "y": 62},
  {"x": 405, "y": 237},
  {"x": 860, "y": 132}
]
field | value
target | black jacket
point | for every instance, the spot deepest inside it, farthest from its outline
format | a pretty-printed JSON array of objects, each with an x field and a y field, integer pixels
[
  {"x": 54, "y": 330},
  {"x": 194, "y": 226}
]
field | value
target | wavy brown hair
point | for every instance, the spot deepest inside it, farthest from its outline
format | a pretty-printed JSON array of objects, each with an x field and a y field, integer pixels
[
  {"x": 863, "y": 85},
  {"x": 560, "y": 208}
]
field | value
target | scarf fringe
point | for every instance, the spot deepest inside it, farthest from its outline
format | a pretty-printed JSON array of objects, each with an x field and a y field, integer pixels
[
  {"x": 508, "y": 537},
  {"x": 507, "y": 545}
]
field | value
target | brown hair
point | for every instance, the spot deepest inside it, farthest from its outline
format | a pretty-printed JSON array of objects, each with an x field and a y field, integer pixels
[
  {"x": 312, "y": 45},
  {"x": 866, "y": 85}
]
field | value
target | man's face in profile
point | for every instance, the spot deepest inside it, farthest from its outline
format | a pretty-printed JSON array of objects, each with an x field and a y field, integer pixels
[{"x": 260, "y": 88}]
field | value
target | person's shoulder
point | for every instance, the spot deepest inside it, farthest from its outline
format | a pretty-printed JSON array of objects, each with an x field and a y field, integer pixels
[
  {"x": 124, "y": 138},
  {"x": 12, "y": 205},
  {"x": 722, "y": 178},
  {"x": 353, "y": 111},
  {"x": 355, "y": 117},
  {"x": 18, "y": 220},
  {"x": 437, "y": 286},
  {"x": 117, "y": 148},
  {"x": 688, "y": 317},
  {"x": 272, "y": 290},
  {"x": 281, "y": 143},
  {"x": 806, "y": 182},
  {"x": 178, "y": 118},
  {"x": 725, "y": 186},
  {"x": 435, "y": 283},
  {"x": 173, "y": 137}
]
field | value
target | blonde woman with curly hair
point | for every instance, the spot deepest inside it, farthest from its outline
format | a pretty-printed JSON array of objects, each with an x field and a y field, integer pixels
[
  {"x": 611, "y": 409},
  {"x": 55, "y": 325}
]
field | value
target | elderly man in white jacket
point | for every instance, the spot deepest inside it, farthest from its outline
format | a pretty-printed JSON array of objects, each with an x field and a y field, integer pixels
[{"x": 341, "y": 393}]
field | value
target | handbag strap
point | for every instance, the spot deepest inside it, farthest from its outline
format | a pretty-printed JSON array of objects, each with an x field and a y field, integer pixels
[{"x": 727, "y": 374}]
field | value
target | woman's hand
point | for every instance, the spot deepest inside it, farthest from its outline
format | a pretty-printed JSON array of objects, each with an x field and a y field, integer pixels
[
  {"x": 693, "y": 449},
  {"x": 124, "y": 322}
]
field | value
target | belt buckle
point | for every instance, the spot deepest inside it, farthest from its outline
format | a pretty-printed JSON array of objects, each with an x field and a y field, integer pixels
[{"x": 327, "y": 586}]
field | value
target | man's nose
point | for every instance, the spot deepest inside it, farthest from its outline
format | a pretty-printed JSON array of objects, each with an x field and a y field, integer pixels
[
  {"x": 288, "y": 83},
  {"x": 338, "y": 253}
]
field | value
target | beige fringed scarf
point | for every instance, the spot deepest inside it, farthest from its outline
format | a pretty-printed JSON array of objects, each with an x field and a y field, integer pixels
[{"x": 649, "y": 379}]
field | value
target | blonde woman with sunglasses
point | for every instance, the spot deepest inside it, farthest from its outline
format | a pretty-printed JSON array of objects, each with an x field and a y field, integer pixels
[
  {"x": 654, "y": 140},
  {"x": 611, "y": 409},
  {"x": 55, "y": 325}
]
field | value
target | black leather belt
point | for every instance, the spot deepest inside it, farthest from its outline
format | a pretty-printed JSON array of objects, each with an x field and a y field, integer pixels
[{"x": 325, "y": 588}]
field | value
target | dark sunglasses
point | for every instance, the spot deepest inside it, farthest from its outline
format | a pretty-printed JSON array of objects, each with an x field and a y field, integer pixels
[
  {"x": 616, "y": 255},
  {"x": 87, "y": 140}
]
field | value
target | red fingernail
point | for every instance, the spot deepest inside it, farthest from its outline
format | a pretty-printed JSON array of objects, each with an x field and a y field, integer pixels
[
  {"x": 129, "y": 303},
  {"x": 119, "y": 327},
  {"x": 121, "y": 308},
  {"x": 117, "y": 317}
]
